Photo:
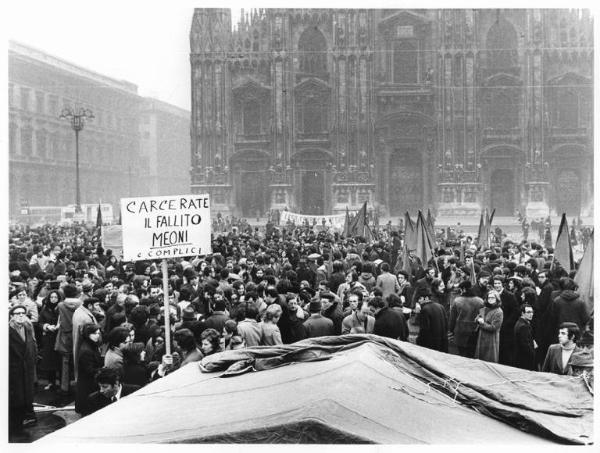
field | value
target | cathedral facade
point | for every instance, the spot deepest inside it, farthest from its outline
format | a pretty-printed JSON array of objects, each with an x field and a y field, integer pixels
[{"x": 317, "y": 110}]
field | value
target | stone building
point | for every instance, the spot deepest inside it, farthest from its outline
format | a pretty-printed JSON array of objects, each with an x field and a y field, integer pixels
[
  {"x": 319, "y": 109},
  {"x": 165, "y": 146}
]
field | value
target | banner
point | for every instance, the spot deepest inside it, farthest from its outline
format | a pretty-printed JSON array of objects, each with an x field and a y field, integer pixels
[
  {"x": 335, "y": 220},
  {"x": 112, "y": 238},
  {"x": 165, "y": 227}
]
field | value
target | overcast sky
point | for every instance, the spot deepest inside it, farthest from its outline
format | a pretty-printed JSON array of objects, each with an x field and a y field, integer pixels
[{"x": 147, "y": 42}]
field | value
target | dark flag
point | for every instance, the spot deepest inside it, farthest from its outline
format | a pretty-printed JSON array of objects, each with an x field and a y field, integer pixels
[
  {"x": 585, "y": 276},
  {"x": 347, "y": 223},
  {"x": 99, "y": 217},
  {"x": 431, "y": 225},
  {"x": 410, "y": 238},
  {"x": 424, "y": 243},
  {"x": 563, "y": 252},
  {"x": 481, "y": 230},
  {"x": 357, "y": 227}
]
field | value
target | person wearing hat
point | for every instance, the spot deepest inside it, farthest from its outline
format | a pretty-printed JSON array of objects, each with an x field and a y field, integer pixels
[
  {"x": 21, "y": 367},
  {"x": 317, "y": 325},
  {"x": 462, "y": 323}
]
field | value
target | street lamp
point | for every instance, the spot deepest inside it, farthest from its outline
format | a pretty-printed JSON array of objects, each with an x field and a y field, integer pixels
[{"x": 77, "y": 117}]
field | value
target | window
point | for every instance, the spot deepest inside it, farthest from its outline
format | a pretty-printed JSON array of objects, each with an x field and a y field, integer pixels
[
  {"x": 26, "y": 141},
  {"x": 53, "y": 106},
  {"x": 405, "y": 62},
  {"x": 12, "y": 138},
  {"x": 40, "y": 143},
  {"x": 568, "y": 110},
  {"x": 502, "y": 46},
  {"x": 313, "y": 114},
  {"x": 313, "y": 52},
  {"x": 40, "y": 102},
  {"x": 25, "y": 98},
  {"x": 503, "y": 109},
  {"x": 251, "y": 113}
]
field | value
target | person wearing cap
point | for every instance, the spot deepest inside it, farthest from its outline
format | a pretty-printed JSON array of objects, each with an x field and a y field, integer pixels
[
  {"x": 317, "y": 325},
  {"x": 21, "y": 367},
  {"x": 463, "y": 312}
]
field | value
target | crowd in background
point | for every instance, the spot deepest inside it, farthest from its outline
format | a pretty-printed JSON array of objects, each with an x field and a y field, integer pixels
[{"x": 79, "y": 315}]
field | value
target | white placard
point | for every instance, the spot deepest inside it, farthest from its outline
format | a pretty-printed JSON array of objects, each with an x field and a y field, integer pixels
[{"x": 165, "y": 227}]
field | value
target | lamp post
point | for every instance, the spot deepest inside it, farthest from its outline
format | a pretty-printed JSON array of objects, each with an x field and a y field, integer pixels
[{"x": 77, "y": 117}]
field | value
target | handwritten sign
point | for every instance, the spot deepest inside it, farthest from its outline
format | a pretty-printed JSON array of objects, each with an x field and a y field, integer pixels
[{"x": 165, "y": 227}]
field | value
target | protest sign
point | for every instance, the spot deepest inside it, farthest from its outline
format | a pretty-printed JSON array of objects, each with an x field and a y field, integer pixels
[{"x": 165, "y": 227}]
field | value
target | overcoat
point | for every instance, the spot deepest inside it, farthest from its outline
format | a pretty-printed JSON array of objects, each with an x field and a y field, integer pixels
[
  {"x": 21, "y": 367},
  {"x": 488, "y": 341},
  {"x": 88, "y": 363},
  {"x": 433, "y": 331}
]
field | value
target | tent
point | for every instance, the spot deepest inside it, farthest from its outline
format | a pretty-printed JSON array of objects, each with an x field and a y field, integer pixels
[{"x": 348, "y": 389}]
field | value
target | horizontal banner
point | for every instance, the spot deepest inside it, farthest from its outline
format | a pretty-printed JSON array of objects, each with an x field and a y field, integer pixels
[{"x": 298, "y": 219}]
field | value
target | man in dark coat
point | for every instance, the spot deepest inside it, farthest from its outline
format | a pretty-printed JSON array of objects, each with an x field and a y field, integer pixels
[
  {"x": 388, "y": 322},
  {"x": 524, "y": 343},
  {"x": 332, "y": 309},
  {"x": 540, "y": 315},
  {"x": 433, "y": 323},
  {"x": 424, "y": 283},
  {"x": 111, "y": 389},
  {"x": 510, "y": 311},
  {"x": 21, "y": 367},
  {"x": 568, "y": 307}
]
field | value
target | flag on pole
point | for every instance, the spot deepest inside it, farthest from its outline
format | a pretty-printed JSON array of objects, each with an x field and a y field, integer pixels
[
  {"x": 481, "y": 230},
  {"x": 409, "y": 232},
  {"x": 424, "y": 246},
  {"x": 431, "y": 226},
  {"x": 99, "y": 217},
  {"x": 563, "y": 253},
  {"x": 585, "y": 276},
  {"x": 357, "y": 226},
  {"x": 347, "y": 223}
]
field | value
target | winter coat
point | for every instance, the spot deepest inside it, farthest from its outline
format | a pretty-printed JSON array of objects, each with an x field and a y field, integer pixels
[
  {"x": 113, "y": 358},
  {"x": 89, "y": 362},
  {"x": 568, "y": 307},
  {"x": 50, "y": 358},
  {"x": 250, "y": 331},
  {"x": 21, "y": 367},
  {"x": 524, "y": 350},
  {"x": 488, "y": 340},
  {"x": 351, "y": 324},
  {"x": 463, "y": 312},
  {"x": 336, "y": 314},
  {"x": 64, "y": 339},
  {"x": 391, "y": 323},
  {"x": 510, "y": 314},
  {"x": 81, "y": 316},
  {"x": 216, "y": 321},
  {"x": 367, "y": 280},
  {"x": 433, "y": 331},
  {"x": 271, "y": 336},
  {"x": 318, "y": 326},
  {"x": 388, "y": 284}
]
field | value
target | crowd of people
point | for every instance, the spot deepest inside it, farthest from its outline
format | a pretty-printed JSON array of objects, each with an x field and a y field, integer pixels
[{"x": 80, "y": 315}]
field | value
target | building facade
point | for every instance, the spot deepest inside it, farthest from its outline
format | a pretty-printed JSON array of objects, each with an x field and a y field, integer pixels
[
  {"x": 165, "y": 146},
  {"x": 320, "y": 109},
  {"x": 120, "y": 149}
]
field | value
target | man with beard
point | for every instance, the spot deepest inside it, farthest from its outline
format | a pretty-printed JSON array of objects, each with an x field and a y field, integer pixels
[{"x": 424, "y": 283}]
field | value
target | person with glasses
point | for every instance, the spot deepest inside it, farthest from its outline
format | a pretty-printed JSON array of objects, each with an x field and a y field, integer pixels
[
  {"x": 524, "y": 343},
  {"x": 21, "y": 368}
]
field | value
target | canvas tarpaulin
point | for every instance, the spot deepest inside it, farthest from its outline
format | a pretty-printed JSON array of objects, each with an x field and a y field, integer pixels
[{"x": 363, "y": 387}]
